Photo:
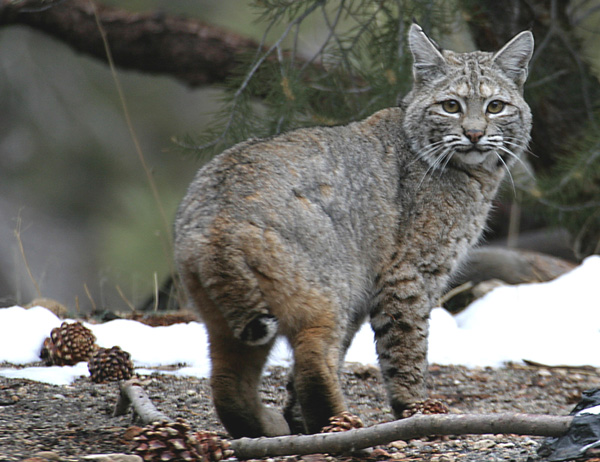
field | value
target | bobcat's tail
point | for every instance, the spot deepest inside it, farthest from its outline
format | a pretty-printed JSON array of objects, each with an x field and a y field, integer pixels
[{"x": 260, "y": 330}]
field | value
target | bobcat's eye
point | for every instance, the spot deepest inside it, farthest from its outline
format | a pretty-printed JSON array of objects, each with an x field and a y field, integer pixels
[
  {"x": 451, "y": 106},
  {"x": 495, "y": 107}
]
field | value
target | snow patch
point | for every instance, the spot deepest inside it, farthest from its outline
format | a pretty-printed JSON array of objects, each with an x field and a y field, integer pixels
[{"x": 555, "y": 323}]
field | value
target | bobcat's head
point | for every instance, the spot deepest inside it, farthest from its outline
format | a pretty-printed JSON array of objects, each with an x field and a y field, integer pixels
[{"x": 467, "y": 109}]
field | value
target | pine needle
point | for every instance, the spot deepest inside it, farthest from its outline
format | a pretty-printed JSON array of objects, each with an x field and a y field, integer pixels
[{"x": 24, "y": 257}]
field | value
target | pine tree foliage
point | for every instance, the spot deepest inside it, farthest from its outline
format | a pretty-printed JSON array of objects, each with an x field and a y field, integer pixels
[
  {"x": 570, "y": 192},
  {"x": 563, "y": 92},
  {"x": 358, "y": 63}
]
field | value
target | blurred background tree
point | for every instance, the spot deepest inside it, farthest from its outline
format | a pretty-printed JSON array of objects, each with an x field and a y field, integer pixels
[{"x": 200, "y": 76}]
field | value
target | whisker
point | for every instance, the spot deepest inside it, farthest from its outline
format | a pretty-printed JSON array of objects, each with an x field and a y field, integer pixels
[
  {"x": 434, "y": 165},
  {"x": 430, "y": 148},
  {"x": 517, "y": 145},
  {"x": 448, "y": 154},
  {"x": 523, "y": 164},
  {"x": 521, "y": 144},
  {"x": 509, "y": 174},
  {"x": 428, "y": 152},
  {"x": 441, "y": 157}
]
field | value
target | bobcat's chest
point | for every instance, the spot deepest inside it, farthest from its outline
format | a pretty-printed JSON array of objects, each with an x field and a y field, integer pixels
[{"x": 439, "y": 227}]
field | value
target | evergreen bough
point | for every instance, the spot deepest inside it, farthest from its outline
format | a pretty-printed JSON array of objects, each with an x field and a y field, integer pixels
[{"x": 358, "y": 64}]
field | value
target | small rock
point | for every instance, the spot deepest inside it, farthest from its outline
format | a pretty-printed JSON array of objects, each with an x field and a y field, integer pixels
[
  {"x": 22, "y": 392},
  {"x": 484, "y": 444},
  {"x": 416, "y": 444},
  {"x": 398, "y": 456},
  {"x": 379, "y": 453},
  {"x": 508, "y": 445},
  {"x": 58, "y": 396},
  {"x": 399, "y": 444},
  {"x": 113, "y": 458},
  {"x": 48, "y": 455},
  {"x": 442, "y": 458}
]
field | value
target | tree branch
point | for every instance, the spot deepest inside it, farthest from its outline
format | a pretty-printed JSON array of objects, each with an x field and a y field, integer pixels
[{"x": 189, "y": 50}]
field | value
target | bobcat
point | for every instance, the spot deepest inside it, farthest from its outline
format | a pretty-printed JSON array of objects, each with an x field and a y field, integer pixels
[{"x": 307, "y": 234}]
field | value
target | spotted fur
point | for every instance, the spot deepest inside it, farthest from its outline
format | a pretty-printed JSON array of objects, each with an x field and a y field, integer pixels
[{"x": 308, "y": 234}]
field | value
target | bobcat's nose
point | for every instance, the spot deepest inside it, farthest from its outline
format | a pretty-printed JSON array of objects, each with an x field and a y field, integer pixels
[{"x": 474, "y": 135}]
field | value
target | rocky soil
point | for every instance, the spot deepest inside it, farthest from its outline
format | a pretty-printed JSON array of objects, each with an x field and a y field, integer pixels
[{"x": 43, "y": 422}]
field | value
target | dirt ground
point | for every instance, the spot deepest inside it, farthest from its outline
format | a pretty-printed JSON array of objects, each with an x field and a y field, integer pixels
[{"x": 65, "y": 423}]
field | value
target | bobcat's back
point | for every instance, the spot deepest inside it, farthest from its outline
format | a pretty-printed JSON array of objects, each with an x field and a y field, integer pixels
[{"x": 313, "y": 204}]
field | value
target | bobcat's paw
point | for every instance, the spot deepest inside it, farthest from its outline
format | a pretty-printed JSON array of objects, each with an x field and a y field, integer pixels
[{"x": 260, "y": 331}]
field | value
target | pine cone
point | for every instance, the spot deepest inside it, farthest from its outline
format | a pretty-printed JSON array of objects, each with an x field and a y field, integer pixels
[
  {"x": 167, "y": 441},
  {"x": 342, "y": 423},
  {"x": 110, "y": 365},
  {"x": 68, "y": 344},
  {"x": 429, "y": 406},
  {"x": 212, "y": 447}
]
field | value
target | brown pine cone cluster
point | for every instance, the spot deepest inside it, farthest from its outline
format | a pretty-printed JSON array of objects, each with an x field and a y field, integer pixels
[
  {"x": 110, "y": 365},
  {"x": 73, "y": 342},
  {"x": 342, "y": 423},
  {"x": 68, "y": 344},
  {"x": 429, "y": 406},
  {"x": 173, "y": 441},
  {"x": 212, "y": 447}
]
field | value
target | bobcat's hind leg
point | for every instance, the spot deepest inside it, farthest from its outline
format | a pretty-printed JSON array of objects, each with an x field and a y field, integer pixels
[
  {"x": 236, "y": 369},
  {"x": 293, "y": 410},
  {"x": 235, "y": 379},
  {"x": 316, "y": 376}
]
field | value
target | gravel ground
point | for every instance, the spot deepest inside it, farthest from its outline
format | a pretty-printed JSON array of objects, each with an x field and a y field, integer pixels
[{"x": 47, "y": 422}]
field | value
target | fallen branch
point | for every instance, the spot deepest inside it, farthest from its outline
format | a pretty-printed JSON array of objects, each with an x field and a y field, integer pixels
[
  {"x": 344, "y": 442},
  {"x": 414, "y": 427},
  {"x": 132, "y": 394}
]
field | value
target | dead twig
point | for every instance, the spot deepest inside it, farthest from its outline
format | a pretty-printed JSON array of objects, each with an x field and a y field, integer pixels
[
  {"x": 22, "y": 250},
  {"x": 132, "y": 394}
]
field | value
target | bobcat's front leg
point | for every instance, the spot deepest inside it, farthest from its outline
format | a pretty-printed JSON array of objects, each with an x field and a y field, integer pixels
[{"x": 400, "y": 322}]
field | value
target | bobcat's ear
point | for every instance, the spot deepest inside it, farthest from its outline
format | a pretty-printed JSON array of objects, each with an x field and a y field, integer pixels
[
  {"x": 428, "y": 60},
  {"x": 514, "y": 57}
]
